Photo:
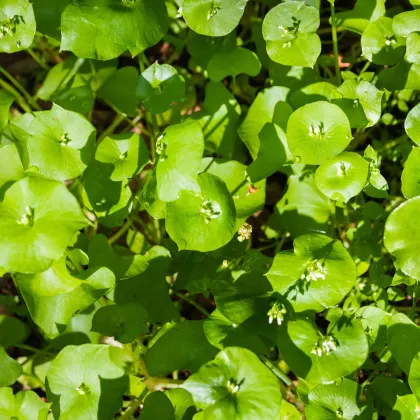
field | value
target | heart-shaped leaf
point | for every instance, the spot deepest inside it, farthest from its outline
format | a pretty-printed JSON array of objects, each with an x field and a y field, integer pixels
[{"x": 25, "y": 405}]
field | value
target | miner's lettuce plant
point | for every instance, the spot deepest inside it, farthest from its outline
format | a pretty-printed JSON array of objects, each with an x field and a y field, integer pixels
[{"x": 209, "y": 209}]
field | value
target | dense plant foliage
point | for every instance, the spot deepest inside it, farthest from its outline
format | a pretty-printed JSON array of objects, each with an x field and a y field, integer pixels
[{"x": 209, "y": 209}]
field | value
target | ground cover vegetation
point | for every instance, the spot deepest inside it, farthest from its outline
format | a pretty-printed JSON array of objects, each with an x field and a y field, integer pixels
[{"x": 209, "y": 209}]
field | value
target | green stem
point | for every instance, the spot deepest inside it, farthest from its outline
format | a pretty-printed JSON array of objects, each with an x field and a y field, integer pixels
[
  {"x": 277, "y": 371},
  {"x": 333, "y": 222},
  {"x": 18, "y": 97},
  {"x": 335, "y": 46},
  {"x": 37, "y": 59},
  {"x": 20, "y": 88},
  {"x": 121, "y": 231},
  {"x": 191, "y": 302},
  {"x": 135, "y": 404},
  {"x": 75, "y": 263},
  {"x": 108, "y": 131}
]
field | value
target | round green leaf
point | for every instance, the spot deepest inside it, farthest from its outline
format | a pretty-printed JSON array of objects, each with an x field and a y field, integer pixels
[
  {"x": 380, "y": 44},
  {"x": 410, "y": 178},
  {"x": 248, "y": 197},
  {"x": 412, "y": 54},
  {"x": 289, "y": 30},
  {"x": 160, "y": 87},
  {"x": 226, "y": 387},
  {"x": 202, "y": 221},
  {"x": 123, "y": 322},
  {"x": 25, "y": 405},
  {"x": 213, "y": 18},
  {"x": 374, "y": 321},
  {"x": 59, "y": 145},
  {"x": 17, "y": 25},
  {"x": 403, "y": 24},
  {"x": 38, "y": 219},
  {"x": 127, "y": 152},
  {"x": 157, "y": 406},
  {"x": 12, "y": 331},
  {"x": 54, "y": 296},
  {"x": 412, "y": 124},
  {"x": 300, "y": 343},
  {"x": 317, "y": 132},
  {"x": 48, "y": 16},
  {"x": 232, "y": 63},
  {"x": 10, "y": 370},
  {"x": 340, "y": 400},
  {"x": 103, "y": 30},
  {"x": 414, "y": 376},
  {"x": 11, "y": 168},
  {"x": 83, "y": 382},
  {"x": 183, "y": 356},
  {"x": 314, "y": 92},
  {"x": 317, "y": 276},
  {"x": 401, "y": 237},
  {"x": 179, "y": 150},
  {"x": 343, "y": 176},
  {"x": 385, "y": 391}
]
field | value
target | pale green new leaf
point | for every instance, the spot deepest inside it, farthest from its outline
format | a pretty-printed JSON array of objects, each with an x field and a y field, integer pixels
[{"x": 410, "y": 178}]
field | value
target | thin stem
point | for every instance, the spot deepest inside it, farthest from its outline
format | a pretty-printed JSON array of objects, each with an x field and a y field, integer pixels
[
  {"x": 333, "y": 222},
  {"x": 20, "y": 88},
  {"x": 108, "y": 131},
  {"x": 191, "y": 302},
  {"x": 365, "y": 67},
  {"x": 277, "y": 371},
  {"x": 32, "y": 53},
  {"x": 121, "y": 231},
  {"x": 75, "y": 263},
  {"x": 335, "y": 46},
  {"x": 18, "y": 97}
]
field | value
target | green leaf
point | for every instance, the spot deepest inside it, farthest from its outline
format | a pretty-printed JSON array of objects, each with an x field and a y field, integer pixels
[
  {"x": 343, "y": 176},
  {"x": 377, "y": 185},
  {"x": 157, "y": 406},
  {"x": 6, "y": 100},
  {"x": 150, "y": 288},
  {"x": 303, "y": 209},
  {"x": 10, "y": 370},
  {"x": 321, "y": 359},
  {"x": 54, "y": 296},
  {"x": 84, "y": 382},
  {"x": 404, "y": 409},
  {"x": 11, "y": 168},
  {"x": 248, "y": 197},
  {"x": 401, "y": 237},
  {"x": 273, "y": 154},
  {"x": 317, "y": 276},
  {"x": 403, "y": 340},
  {"x": 123, "y": 98},
  {"x": 12, "y": 331},
  {"x": 412, "y": 124},
  {"x": 340, "y": 400},
  {"x": 410, "y": 178},
  {"x": 48, "y": 16},
  {"x": 219, "y": 120},
  {"x": 358, "y": 18},
  {"x": 123, "y": 322},
  {"x": 111, "y": 201},
  {"x": 110, "y": 28},
  {"x": 59, "y": 144},
  {"x": 226, "y": 387},
  {"x": 262, "y": 111},
  {"x": 149, "y": 197},
  {"x": 289, "y": 411},
  {"x": 127, "y": 152},
  {"x": 318, "y": 132},
  {"x": 374, "y": 321},
  {"x": 314, "y": 92},
  {"x": 160, "y": 87},
  {"x": 203, "y": 48},
  {"x": 183, "y": 356},
  {"x": 412, "y": 54},
  {"x": 414, "y": 376},
  {"x": 361, "y": 102},
  {"x": 206, "y": 17},
  {"x": 385, "y": 392},
  {"x": 179, "y": 149},
  {"x": 380, "y": 44},
  {"x": 232, "y": 63},
  {"x": 182, "y": 402},
  {"x": 289, "y": 30},
  {"x": 25, "y": 405},
  {"x": 17, "y": 25},
  {"x": 403, "y": 24},
  {"x": 38, "y": 219},
  {"x": 205, "y": 220},
  {"x": 123, "y": 266},
  {"x": 404, "y": 75}
]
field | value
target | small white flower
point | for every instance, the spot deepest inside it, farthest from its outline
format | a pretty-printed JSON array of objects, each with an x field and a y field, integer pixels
[{"x": 244, "y": 232}]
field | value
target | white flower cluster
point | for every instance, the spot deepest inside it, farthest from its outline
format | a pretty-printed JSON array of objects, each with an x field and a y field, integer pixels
[
  {"x": 315, "y": 271},
  {"x": 276, "y": 312},
  {"x": 244, "y": 232},
  {"x": 208, "y": 211},
  {"x": 326, "y": 345},
  {"x": 9, "y": 26}
]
